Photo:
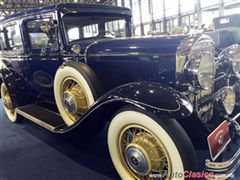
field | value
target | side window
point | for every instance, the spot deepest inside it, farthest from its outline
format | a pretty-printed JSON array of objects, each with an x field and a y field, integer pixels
[
  {"x": 90, "y": 31},
  {"x": 118, "y": 27},
  {"x": 73, "y": 34},
  {"x": 2, "y": 40},
  {"x": 42, "y": 34},
  {"x": 14, "y": 37}
]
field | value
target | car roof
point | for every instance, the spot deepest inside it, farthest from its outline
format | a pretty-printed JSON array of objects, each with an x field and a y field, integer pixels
[{"x": 70, "y": 7}]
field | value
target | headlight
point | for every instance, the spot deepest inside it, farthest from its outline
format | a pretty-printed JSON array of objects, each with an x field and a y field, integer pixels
[
  {"x": 76, "y": 49},
  {"x": 226, "y": 99},
  {"x": 232, "y": 54},
  {"x": 201, "y": 70}
]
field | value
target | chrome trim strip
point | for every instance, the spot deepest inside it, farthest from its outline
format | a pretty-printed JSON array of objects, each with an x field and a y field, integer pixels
[
  {"x": 235, "y": 123},
  {"x": 225, "y": 174},
  {"x": 235, "y": 117},
  {"x": 221, "y": 151},
  {"x": 220, "y": 166},
  {"x": 129, "y": 54}
]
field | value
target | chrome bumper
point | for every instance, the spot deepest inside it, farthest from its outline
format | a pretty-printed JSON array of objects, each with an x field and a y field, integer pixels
[{"x": 224, "y": 170}]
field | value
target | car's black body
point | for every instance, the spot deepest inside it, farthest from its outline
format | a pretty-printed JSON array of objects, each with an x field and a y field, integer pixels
[{"x": 148, "y": 73}]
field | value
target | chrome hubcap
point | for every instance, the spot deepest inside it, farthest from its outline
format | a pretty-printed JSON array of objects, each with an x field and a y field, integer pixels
[
  {"x": 137, "y": 160},
  {"x": 74, "y": 99},
  {"x": 143, "y": 153},
  {"x": 69, "y": 102}
]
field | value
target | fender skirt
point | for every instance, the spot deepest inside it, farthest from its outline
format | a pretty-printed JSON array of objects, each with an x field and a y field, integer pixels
[{"x": 154, "y": 97}]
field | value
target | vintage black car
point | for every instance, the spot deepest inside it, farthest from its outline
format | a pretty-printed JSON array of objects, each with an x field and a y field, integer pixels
[{"x": 71, "y": 68}]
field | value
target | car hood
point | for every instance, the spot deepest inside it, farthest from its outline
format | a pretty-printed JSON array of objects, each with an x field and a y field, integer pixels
[{"x": 163, "y": 45}]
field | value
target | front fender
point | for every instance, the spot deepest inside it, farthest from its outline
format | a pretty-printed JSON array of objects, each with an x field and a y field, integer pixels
[{"x": 155, "y": 97}]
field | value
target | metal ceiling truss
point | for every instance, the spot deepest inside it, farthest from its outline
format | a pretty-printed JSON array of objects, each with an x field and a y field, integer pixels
[{"x": 8, "y": 7}]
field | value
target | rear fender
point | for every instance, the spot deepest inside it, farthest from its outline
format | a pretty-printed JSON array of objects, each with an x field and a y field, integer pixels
[{"x": 16, "y": 86}]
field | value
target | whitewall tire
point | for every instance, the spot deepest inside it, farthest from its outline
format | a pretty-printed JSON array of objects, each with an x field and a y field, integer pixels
[
  {"x": 137, "y": 121},
  {"x": 10, "y": 112},
  {"x": 62, "y": 74}
]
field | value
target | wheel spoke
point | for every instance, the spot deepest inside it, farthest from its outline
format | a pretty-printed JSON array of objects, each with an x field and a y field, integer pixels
[
  {"x": 124, "y": 141},
  {"x": 150, "y": 147},
  {"x": 161, "y": 159},
  {"x": 78, "y": 98},
  {"x": 71, "y": 84}
]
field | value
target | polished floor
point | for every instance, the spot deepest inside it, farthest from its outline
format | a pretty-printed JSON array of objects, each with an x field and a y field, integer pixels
[{"x": 29, "y": 152}]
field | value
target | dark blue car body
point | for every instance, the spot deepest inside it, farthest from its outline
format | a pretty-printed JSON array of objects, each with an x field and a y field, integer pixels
[
  {"x": 146, "y": 63},
  {"x": 147, "y": 72}
]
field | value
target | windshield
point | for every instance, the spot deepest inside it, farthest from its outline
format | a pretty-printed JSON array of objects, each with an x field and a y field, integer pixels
[{"x": 83, "y": 26}]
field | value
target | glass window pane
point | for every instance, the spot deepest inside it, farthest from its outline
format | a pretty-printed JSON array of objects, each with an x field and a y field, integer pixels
[
  {"x": 90, "y": 31},
  {"x": 117, "y": 28},
  {"x": 14, "y": 36},
  {"x": 38, "y": 40},
  {"x": 2, "y": 41},
  {"x": 73, "y": 34},
  {"x": 42, "y": 34},
  {"x": 94, "y": 26}
]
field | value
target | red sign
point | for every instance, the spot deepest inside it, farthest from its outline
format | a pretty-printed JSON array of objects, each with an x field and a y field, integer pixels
[{"x": 218, "y": 140}]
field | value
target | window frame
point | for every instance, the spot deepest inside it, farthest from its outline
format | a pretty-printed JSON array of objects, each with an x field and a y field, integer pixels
[
  {"x": 8, "y": 48},
  {"x": 128, "y": 28},
  {"x": 51, "y": 17}
]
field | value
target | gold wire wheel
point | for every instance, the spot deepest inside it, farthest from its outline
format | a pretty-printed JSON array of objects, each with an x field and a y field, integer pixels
[
  {"x": 143, "y": 154},
  {"x": 74, "y": 98},
  {"x": 7, "y": 100}
]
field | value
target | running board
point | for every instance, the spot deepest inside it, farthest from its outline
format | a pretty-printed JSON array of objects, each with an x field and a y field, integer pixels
[{"x": 41, "y": 116}]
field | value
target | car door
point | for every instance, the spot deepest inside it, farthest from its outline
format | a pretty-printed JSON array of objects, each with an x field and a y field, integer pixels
[
  {"x": 15, "y": 69},
  {"x": 43, "y": 50}
]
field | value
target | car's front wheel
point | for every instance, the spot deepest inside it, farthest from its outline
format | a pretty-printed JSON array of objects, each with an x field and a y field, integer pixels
[
  {"x": 73, "y": 93},
  {"x": 143, "y": 146},
  {"x": 8, "y": 106}
]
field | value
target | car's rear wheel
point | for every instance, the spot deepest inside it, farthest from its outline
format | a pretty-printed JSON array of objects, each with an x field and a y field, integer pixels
[
  {"x": 8, "y": 106},
  {"x": 73, "y": 94},
  {"x": 145, "y": 147}
]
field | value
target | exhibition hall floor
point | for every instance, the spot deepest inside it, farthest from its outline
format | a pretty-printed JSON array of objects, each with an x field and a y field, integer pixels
[{"x": 29, "y": 152}]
